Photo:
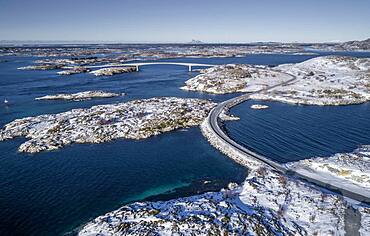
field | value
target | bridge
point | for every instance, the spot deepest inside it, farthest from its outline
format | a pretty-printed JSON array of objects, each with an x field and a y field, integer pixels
[
  {"x": 354, "y": 192},
  {"x": 189, "y": 65},
  {"x": 139, "y": 64}
]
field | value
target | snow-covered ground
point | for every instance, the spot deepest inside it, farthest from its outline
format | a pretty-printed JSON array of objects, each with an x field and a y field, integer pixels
[
  {"x": 329, "y": 80},
  {"x": 365, "y": 220},
  {"x": 267, "y": 203},
  {"x": 136, "y": 119},
  {"x": 347, "y": 170},
  {"x": 234, "y": 78}
]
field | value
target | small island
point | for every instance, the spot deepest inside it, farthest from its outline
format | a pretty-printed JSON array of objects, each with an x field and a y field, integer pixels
[
  {"x": 87, "y": 95},
  {"x": 259, "y": 106},
  {"x": 112, "y": 71}
]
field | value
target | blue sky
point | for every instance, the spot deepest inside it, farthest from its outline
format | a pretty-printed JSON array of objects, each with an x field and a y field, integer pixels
[{"x": 184, "y": 20}]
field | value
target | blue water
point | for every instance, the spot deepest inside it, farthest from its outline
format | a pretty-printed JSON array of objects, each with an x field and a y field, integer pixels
[
  {"x": 287, "y": 133},
  {"x": 52, "y": 193}
]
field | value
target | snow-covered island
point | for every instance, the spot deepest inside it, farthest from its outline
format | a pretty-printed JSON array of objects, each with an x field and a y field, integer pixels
[
  {"x": 329, "y": 80},
  {"x": 136, "y": 119},
  {"x": 259, "y": 106},
  {"x": 86, "y": 95},
  {"x": 74, "y": 70},
  {"x": 41, "y": 67},
  {"x": 267, "y": 203},
  {"x": 112, "y": 71},
  {"x": 234, "y": 78}
]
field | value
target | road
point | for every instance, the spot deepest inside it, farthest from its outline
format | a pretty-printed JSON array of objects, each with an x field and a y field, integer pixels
[{"x": 353, "y": 192}]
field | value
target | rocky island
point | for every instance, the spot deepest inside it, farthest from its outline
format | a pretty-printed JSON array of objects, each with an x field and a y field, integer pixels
[
  {"x": 259, "y": 106},
  {"x": 136, "y": 119},
  {"x": 42, "y": 67},
  {"x": 112, "y": 71},
  {"x": 80, "y": 96}
]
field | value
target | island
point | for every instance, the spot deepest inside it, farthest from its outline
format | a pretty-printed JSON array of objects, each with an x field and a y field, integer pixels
[
  {"x": 113, "y": 70},
  {"x": 327, "y": 80},
  {"x": 234, "y": 78},
  {"x": 259, "y": 106},
  {"x": 87, "y": 95},
  {"x": 135, "y": 119},
  {"x": 41, "y": 67}
]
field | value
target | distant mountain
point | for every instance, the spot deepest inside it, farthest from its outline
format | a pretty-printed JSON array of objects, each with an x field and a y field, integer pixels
[
  {"x": 356, "y": 45},
  {"x": 195, "y": 42}
]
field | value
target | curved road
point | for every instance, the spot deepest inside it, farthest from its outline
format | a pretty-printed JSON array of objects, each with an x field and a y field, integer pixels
[{"x": 352, "y": 191}]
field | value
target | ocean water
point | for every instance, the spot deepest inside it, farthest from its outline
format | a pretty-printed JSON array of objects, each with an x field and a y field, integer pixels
[
  {"x": 286, "y": 133},
  {"x": 52, "y": 193}
]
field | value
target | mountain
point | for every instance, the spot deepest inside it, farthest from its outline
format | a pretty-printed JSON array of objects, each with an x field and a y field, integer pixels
[
  {"x": 356, "y": 45},
  {"x": 195, "y": 42}
]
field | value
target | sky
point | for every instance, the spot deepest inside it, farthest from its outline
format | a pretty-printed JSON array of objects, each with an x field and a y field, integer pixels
[{"x": 162, "y": 21}]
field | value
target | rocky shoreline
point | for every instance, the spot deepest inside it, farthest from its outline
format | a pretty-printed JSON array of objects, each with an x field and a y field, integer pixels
[
  {"x": 226, "y": 149},
  {"x": 265, "y": 203}
]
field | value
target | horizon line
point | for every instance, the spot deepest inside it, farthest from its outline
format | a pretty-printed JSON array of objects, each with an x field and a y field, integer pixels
[{"x": 157, "y": 42}]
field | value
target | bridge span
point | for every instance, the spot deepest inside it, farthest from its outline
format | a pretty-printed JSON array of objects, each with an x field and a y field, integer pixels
[
  {"x": 139, "y": 64},
  {"x": 189, "y": 65}
]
